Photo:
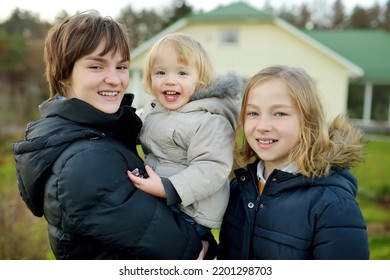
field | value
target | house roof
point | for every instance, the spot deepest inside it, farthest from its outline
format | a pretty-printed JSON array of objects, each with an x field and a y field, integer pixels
[
  {"x": 370, "y": 49},
  {"x": 234, "y": 11}
]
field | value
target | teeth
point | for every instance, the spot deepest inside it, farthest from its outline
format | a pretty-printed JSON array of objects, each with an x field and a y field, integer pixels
[
  {"x": 109, "y": 93},
  {"x": 170, "y": 92},
  {"x": 266, "y": 141}
]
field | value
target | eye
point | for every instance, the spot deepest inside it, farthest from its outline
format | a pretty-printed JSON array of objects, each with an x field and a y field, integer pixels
[
  {"x": 252, "y": 114},
  {"x": 182, "y": 73},
  {"x": 160, "y": 73},
  {"x": 122, "y": 67},
  {"x": 280, "y": 114}
]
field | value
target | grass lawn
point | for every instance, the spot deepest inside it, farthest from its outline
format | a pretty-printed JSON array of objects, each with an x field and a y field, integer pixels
[{"x": 374, "y": 174}]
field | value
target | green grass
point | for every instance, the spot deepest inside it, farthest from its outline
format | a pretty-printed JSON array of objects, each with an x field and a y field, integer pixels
[
  {"x": 380, "y": 247},
  {"x": 373, "y": 212},
  {"x": 373, "y": 174}
]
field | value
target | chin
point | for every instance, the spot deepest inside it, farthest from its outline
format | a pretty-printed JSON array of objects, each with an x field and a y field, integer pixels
[{"x": 109, "y": 109}]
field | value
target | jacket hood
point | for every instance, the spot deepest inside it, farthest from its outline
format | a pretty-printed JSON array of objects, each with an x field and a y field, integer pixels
[
  {"x": 224, "y": 86},
  {"x": 63, "y": 122},
  {"x": 226, "y": 94}
]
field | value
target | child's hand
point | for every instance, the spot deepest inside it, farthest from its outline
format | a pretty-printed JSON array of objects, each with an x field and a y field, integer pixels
[{"x": 151, "y": 185}]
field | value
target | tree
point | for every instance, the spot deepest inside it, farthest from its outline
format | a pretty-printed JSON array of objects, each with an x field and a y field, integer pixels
[
  {"x": 386, "y": 17},
  {"x": 338, "y": 17},
  {"x": 21, "y": 66},
  {"x": 27, "y": 24},
  {"x": 374, "y": 14},
  {"x": 285, "y": 13},
  {"x": 180, "y": 10},
  {"x": 141, "y": 26},
  {"x": 304, "y": 17},
  {"x": 13, "y": 50},
  {"x": 360, "y": 18},
  {"x": 148, "y": 22}
]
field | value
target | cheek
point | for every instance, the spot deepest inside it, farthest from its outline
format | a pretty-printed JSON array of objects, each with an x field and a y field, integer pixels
[
  {"x": 292, "y": 133},
  {"x": 154, "y": 88},
  {"x": 126, "y": 80},
  {"x": 155, "y": 83},
  {"x": 247, "y": 128},
  {"x": 196, "y": 86}
]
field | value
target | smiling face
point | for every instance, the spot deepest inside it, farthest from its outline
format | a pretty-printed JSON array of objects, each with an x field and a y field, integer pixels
[
  {"x": 271, "y": 124},
  {"x": 173, "y": 83},
  {"x": 99, "y": 80}
]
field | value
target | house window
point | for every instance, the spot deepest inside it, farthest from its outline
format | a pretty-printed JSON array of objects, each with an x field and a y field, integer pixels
[
  {"x": 228, "y": 37},
  {"x": 356, "y": 101},
  {"x": 379, "y": 103}
]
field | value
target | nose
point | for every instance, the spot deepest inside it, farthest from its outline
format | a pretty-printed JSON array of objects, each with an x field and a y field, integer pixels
[
  {"x": 170, "y": 79},
  {"x": 264, "y": 123},
  {"x": 112, "y": 77}
]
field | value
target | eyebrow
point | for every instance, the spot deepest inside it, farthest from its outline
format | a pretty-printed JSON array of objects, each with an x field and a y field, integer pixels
[
  {"x": 101, "y": 59},
  {"x": 274, "y": 106},
  {"x": 251, "y": 105}
]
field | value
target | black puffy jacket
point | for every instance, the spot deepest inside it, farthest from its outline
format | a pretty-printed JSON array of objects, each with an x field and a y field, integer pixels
[{"x": 71, "y": 168}]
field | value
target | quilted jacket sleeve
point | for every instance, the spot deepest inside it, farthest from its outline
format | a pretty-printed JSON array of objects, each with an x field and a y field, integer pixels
[{"x": 341, "y": 232}]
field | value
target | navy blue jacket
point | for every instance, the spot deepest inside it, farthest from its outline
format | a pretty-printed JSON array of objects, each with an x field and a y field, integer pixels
[
  {"x": 295, "y": 218},
  {"x": 72, "y": 169}
]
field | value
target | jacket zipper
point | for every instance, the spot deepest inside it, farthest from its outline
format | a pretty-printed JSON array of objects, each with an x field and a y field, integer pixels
[{"x": 258, "y": 204}]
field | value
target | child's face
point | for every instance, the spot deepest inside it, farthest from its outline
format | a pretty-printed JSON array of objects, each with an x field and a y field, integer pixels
[
  {"x": 173, "y": 83},
  {"x": 271, "y": 123}
]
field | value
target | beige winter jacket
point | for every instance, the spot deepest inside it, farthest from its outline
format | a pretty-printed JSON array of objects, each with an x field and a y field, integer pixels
[{"x": 192, "y": 147}]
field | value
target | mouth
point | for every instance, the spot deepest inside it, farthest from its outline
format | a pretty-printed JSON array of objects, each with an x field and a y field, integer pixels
[
  {"x": 267, "y": 141},
  {"x": 171, "y": 96},
  {"x": 109, "y": 93},
  {"x": 171, "y": 92}
]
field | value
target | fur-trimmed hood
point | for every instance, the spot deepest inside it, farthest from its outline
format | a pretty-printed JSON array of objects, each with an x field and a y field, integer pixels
[
  {"x": 227, "y": 85},
  {"x": 226, "y": 92}
]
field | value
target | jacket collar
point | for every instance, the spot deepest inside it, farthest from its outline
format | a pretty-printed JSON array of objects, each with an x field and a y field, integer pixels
[{"x": 124, "y": 124}]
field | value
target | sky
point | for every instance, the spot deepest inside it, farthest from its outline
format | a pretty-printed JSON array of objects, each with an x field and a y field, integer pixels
[{"x": 48, "y": 10}]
